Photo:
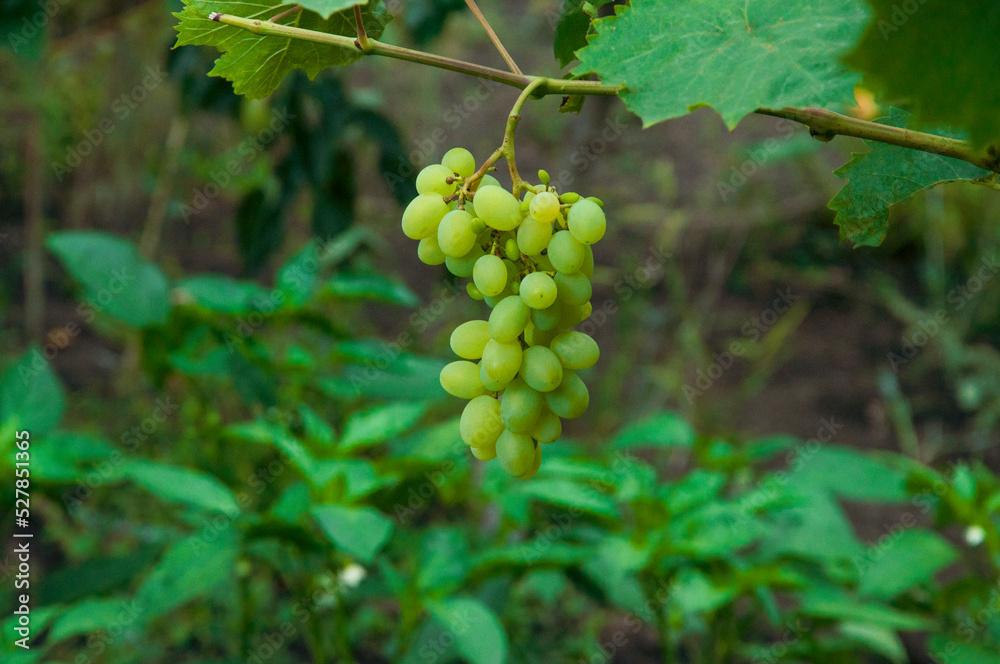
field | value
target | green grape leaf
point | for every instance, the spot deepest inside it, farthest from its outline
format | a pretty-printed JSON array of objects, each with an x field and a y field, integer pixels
[
  {"x": 572, "y": 25},
  {"x": 223, "y": 294},
  {"x": 381, "y": 423},
  {"x": 888, "y": 175},
  {"x": 326, "y": 7},
  {"x": 256, "y": 64},
  {"x": 955, "y": 649},
  {"x": 115, "y": 278},
  {"x": 359, "y": 531},
  {"x": 182, "y": 485},
  {"x": 92, "y": 615},
  {"x": 675, "y": 56},
  {"x": 906, "y": 560},
  {"x": 193, "y": 567},
  {"x": 939, "y": 56},
  {"x": 478, "y": 635},
  {"x": 31, "y": 395},
  {"x": 661, "y": 430}
]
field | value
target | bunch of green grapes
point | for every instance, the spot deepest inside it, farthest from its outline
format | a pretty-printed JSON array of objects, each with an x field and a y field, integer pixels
[{"x": 531, "y": 261}]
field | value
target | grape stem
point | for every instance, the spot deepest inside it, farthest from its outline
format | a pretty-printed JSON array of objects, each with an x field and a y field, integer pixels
[
  {"x": 822, "y": 123},
  {"x": 492, "y": 35}
]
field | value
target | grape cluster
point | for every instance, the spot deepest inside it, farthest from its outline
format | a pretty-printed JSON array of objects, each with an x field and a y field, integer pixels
[{"x": 531, "y": 261}]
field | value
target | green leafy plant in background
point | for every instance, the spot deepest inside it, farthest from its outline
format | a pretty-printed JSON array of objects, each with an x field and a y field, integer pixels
[{"x": 313, "y": 495}]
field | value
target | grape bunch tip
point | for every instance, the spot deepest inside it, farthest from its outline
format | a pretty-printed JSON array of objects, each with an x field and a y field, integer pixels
[{"x": 531, "y": 262}]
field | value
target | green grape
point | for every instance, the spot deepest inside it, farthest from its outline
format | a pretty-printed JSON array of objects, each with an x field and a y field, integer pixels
[
  {"x": 547, "y": 428},
  {"x": 569, "y": 198},
  {"x": 488, "y": 181},
  {"x": 428, "y": 251},
  {"x": 461, "y": 379},
  {"x": 548, "y": 319},
  {"x": 511, "y": 250},
  {"x": 534, "y": 336},
  {"x": 478, "y": 225},
  {"x": 585, "y": 310},
  {"x": 566, "y": 254},
  {"x": 490, "y": 275},
  {"x": 463, "y": 267},
  {"x": 570, "y": 399},
  {"x": 535, "y": 465},
  {"x": 588, "y": 262},
  {"x": 508, "y": 319},
  {"x": 481, "y": 424},
  {"x": 455, "y": 236},
  {"x": 471, "y": 209},
  {"x": 595, "y": 199},
  {"x": 434, "y": 180},
  {"x": 538, "y": 290},
  {"x": 575, "y": 350},
  {"x": 541, "y": 369},
  {"x": 501, "y": 361},
  {"x": 469, "y": 339},
  {"x": 544, "y": 207},
  {"x": 543, "y": 264},
  {"x": 516, "y": 453},
  {"x": 521, "y": 406},
  {"x": 498, "y": 208},
  {"x": 422, "y": 216},
  {"x": 459, "y": 160},
  {"x": 473, "y": 291},
  {"x": 485, "y": 453},
  {"x": 573, "y": 288},
  {"x": 543, "y": 177},
  {"x": 490, "y": 383},
  {"x": 587, "y": 221},
  {"x": 533, "y": 236}
]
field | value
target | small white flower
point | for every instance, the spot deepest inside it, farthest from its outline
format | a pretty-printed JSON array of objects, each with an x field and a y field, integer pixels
[
  {"x": 974, "y": 535},
  {"x": 352, "y": 575}
]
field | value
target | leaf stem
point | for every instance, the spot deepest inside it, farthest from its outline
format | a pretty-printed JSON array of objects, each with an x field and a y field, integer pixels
[
  {"x": 493, "y": 36},
  {"x": 363, "y": 42},
  {"x": 551, "y": 85},
  {"x": 824, "y": 125}
]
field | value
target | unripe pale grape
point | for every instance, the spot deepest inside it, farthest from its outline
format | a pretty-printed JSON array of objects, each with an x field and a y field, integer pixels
[
  {"x": 461, "y": 379},
  {"x": 490, "y": 275},
  {"x": 428, "y": 251},
  {"x": 541, "y": 369},
  {"x": 422, "y": 216},
  {"x": 536, "y": 464},
  {"x": 486, "y": 453},
  {"x": 508, "y": 319},
  {"x": 497, "y": 207},
  {"x": 459, "y": 160},
  {"x": 569, "y": 197},
  {"x": 489, "y": 382},
  {"x": 463, "y": 267},
  {"x": 470, "y": 338},
  {"x": 566, "y": 254},
  {"x": 481, "y": 424},
  {"x": 533, "y": 236},
  {"x": 515, "y": 452},
  {"x": 587, "y": 221},
  {"x": 575, "y": 350},
  {"x": 488, "y": 181},
  {"x": 544, "y": 207},
  {"x": 543, "y": 264},
  {"x": 538, "y": 290},
  {"x": 585, "y": 310},
  {"x": 573, "y": 288},
  {"x": 572, "y": 314},
  {"x": 473, "y": 291},
  {"x": 434, "y": 180},
  {"x": 521, "y": 406},
  {"x": 570, "y": 399},
  {"x": 455, "y": 236},
  {"x": 501, "y": 361},
  {"x": 511, "y": 250},
  {"x": 547, "y": 428},
  {"x": 548, "y": 319},
  {"x": 536, "y": 337}
]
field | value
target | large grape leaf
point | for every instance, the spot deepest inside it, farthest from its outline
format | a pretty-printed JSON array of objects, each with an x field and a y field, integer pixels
[
  {"x": 572, "y": 26},
  {"x": 677, "y": 55},
  {"x": 256, "y": 64},
  {"x": 888, "y": 175},
  {"x": 326, "y": 7},
  {"x": 941, "y": 57}
]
